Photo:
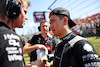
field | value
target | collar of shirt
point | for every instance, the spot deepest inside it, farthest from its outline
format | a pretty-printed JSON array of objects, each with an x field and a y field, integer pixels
[
  {"x": 3, "y": 24},
  {"x": 68, "y": 37}
]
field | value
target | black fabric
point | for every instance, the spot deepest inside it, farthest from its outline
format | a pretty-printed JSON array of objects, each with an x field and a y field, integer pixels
[
  {"x": 82, "y": 54},
  {"x": 38, "y": 39},
  {"x": 11, "y": 54},
  {"x": 3, "y": 24}
]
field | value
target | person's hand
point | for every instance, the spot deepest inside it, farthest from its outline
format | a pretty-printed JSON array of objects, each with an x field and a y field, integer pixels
[
  {"x": 40, "y": 46},
  {"x": 36, "y": 63},
  {"x": 47, "y": 64},
  {"x": 44, "y": 58}
]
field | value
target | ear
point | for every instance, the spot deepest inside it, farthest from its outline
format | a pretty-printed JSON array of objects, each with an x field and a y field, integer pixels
[{"x": 65, "y": 20}]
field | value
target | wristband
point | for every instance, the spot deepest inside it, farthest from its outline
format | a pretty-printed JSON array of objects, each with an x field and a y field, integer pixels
[{"x": 51, "y": 64}]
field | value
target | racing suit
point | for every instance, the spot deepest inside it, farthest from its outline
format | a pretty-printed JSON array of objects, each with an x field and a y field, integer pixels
[
  {"x": 38, "y": 39},
  {"x": 10, "y": 48},
  {"x": 80, "y": 54}
]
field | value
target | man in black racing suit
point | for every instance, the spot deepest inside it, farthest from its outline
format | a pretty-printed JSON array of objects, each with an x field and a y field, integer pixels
[
  {"x": 72, "y": 50},
  {"x": 80, "y": 54}
]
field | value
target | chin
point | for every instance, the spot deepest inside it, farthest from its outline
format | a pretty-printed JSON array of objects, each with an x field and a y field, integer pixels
[
  {"x": 56, "y": 35},
  {"x": 21, "y": 27}
]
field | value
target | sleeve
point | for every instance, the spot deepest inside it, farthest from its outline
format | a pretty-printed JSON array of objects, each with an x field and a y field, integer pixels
[
  {"x": 32, "y": 40},
  {"x": 86, "y": 54},
  {"x": 51, "y": 42}
]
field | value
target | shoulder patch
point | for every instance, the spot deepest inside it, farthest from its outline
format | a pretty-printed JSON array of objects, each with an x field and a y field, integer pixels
[
  {"x": 75, "y": 39},
  {"x": 88, "y": 47}
]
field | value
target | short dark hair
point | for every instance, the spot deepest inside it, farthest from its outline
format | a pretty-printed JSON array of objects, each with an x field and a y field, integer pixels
[
  {"x": 2, "y": 9},
  {"x": 60, "y": 16}
]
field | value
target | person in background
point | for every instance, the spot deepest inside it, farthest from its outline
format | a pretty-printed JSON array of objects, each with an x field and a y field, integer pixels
[
  {"x": 97, "y": 27},
  {"x": 72, "y": 50},
  {"x": 40, "y": 41}
]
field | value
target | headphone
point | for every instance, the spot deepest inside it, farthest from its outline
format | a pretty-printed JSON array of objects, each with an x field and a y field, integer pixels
[
  {"x": 12, "y": 9},
  {"x": 39, "y": 28}
]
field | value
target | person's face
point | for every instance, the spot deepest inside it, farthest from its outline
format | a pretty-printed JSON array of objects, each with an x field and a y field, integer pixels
[
  {"x": 20, "y": 21},
  {"x": 56, "y": 25},
  {"x": 44, "y": 27}
]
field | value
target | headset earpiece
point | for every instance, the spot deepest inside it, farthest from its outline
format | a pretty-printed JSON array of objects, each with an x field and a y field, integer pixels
[
  {"x": 49, "y": 29},
  {"x": 12, "y": 9},
  {"x": 39, "y": 28}
]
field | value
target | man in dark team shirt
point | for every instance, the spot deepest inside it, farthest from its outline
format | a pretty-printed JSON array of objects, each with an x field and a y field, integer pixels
[
  {"x": 12, "y": 15},
  {"x": 44, "y": 39},
  {"x": 72, "y": 50}
]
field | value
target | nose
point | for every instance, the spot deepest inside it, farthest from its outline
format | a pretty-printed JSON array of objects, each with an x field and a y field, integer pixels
[{"x": 26, "y": 18}]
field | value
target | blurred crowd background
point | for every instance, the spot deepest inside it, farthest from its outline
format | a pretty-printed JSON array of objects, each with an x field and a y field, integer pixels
[{"x": 88, "y": 27}]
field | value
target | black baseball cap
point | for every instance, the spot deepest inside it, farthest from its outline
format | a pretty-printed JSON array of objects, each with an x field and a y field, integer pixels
[{"x": 62, "y": 11}]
